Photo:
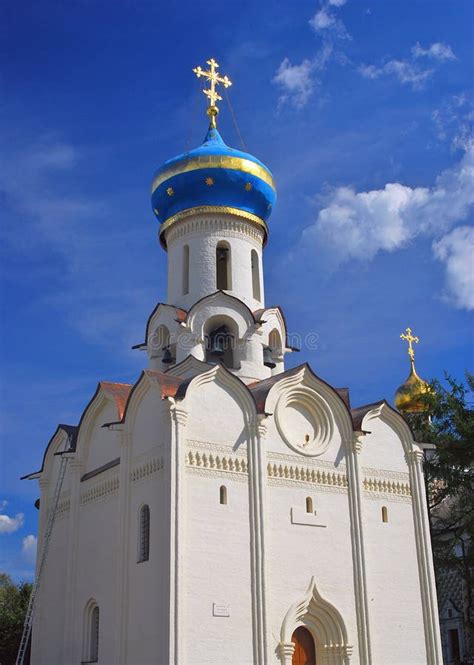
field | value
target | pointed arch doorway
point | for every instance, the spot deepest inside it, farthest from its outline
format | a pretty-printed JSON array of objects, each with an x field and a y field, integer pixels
[{"x": 304, "y": 653}]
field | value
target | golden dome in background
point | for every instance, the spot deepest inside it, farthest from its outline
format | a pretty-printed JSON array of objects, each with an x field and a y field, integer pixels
[{"x": 408, "y": 397}]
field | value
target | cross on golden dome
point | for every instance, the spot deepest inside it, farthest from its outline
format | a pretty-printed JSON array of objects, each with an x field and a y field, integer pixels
[
  {"x": 211, "y": 93},
  {"x": 410, "y": 338}
]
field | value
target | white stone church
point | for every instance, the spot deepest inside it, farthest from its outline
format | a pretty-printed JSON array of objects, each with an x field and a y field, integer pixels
[{"x": 223, "y": 510}]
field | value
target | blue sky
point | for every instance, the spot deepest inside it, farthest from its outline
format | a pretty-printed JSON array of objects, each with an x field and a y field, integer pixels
[{"x": 363, "y": 110}]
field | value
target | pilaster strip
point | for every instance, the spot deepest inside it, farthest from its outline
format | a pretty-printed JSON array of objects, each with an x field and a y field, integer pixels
[
  {"x": 360, "y": 578},
  {"x": 425, "y": 560}
]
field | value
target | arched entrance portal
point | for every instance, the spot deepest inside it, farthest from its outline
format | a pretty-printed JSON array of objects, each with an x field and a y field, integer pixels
[{"x": 304, "y": 653}]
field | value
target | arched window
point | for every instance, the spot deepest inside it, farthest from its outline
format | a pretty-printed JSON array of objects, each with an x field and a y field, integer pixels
[
  {"x": 144, "y": 534},
  {"x": 223, "y": 495},
  {"x": 185, "y": 289},
  {"x": 309, "y": 505},
  {"x": 255, "y": 274},
  {"x": 223, "y": 266},
  {"x": 384, "y": 514},
  {"x": 91, "y": 633}
]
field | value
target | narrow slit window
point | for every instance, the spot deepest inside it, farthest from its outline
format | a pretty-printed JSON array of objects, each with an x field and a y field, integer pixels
[
  {"x": 384, "y": 514},
  {"x": 185, "y": 270},
  {"x": 223, "y": 495},
  {"x": 94, "y": 635},
  {"x": 223, "y": 267},
  {"x": 255, "y": 274},
  {"x": 309, "y": 505},
  {"x": 144, "y": 534}
]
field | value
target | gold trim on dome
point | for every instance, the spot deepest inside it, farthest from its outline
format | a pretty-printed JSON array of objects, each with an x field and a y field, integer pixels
[
  {"x": 214, "y": 162},
  {"x": 223, "y": 210}
]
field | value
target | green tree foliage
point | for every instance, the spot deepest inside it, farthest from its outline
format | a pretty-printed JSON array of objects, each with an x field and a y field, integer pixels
[
  {"x": 449, "y": 472},
  {"x": 13, "y": 605}
]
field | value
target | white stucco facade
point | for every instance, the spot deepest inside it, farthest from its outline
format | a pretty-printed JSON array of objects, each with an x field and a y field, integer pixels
[{"x": 272, "y": 504}]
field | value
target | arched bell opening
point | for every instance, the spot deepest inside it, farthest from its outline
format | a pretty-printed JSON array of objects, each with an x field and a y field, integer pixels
[
  {"x": 272, "y": 353},
  {"x": 220, "y": 336},
  {"x": 162, "y": 351}
]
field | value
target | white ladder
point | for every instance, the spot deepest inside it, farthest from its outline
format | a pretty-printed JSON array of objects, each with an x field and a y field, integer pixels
[{"x": 25, "y": 637}]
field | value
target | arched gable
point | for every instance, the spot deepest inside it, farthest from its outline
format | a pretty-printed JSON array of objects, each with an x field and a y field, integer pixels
[
  {"x": 219, "y": 407},
  {"x": 59, "y": 442},
  {"x": 310, "y": 416},
  {"x": 388, "y": 438},
  {"x": 97, "y": 445},
  {"x": 146, "y": 417},
  {"x": 189, "y": 367},
  {"x": 163, "y": 314},
  {"x": 220, "y": 304}
]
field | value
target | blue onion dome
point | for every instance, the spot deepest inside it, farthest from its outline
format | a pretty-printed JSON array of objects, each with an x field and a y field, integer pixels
[{"x": 213, "y": 178}]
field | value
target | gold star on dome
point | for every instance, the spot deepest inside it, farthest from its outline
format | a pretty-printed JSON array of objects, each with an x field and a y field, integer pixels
[
  {"x": 209, "y": 182},
  {"x": 170, "y": 191},
  {"x": 248, "y": 186},
  {"x": 156, "y": 211}
]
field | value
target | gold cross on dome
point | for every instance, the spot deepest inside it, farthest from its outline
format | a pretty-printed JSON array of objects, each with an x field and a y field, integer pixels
[
  {"x": 410, "y": 339},
  {"x": 211, "y": 93}
]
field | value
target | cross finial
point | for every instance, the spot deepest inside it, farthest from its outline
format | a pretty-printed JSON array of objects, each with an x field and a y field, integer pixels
[
  {"x": 214, "y": 79},
  {"x": 410, "y": 338}
]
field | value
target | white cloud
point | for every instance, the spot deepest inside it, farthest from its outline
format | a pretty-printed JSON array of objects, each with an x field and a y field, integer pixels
[
  {"x": 28, "y": 548},
  {"x": 437, "y": 51},
  {"x": 295, "y": 81},
  {"x": 456, "y": 251},
  {"x": 337, "y": 3},
  {"x": 324, "y": 22},
  {"x": 454, "y": 120},
  {"x": 11, "y": 524},
  {"x": 403, "y": 70},
  {"x": 357, "y": 225}
]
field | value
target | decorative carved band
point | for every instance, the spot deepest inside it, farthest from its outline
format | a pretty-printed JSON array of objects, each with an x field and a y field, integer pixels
[
  {"x": 386, "y": 486},
  {"x": 217, "y": 462},
  {"x": 225, "y": 226},
  {"x": 306, "y": 475},
  {"x": 146, "y": 468},
  {"x": 100, "y": 490},
  {"x": 63, "y": 507}
]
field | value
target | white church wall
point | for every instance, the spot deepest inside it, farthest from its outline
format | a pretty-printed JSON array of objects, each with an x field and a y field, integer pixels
[
  {"x": 103, "y": 444},
  {"x": 97, "y": 543},
  {"x": 148, "y": 581},
  {"x": 297, "y": 552},
  {"x": 395, "y": 611},
  {"x": 218, "y": 600},
  {"x": 48, "y": 633}
]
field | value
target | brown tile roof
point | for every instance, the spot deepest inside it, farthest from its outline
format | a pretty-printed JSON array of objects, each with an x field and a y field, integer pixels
[
  {"x": 260, "y": 389},
  {"x": 360, "y": 412},
  {"x": 119, "y": 392}
]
